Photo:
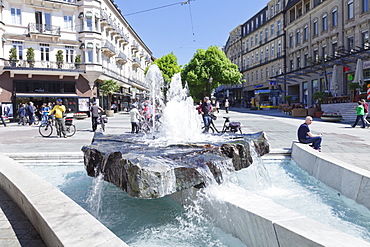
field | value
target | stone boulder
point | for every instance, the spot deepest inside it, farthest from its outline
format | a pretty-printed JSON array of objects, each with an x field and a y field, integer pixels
[{"x": 145, "y": 169}]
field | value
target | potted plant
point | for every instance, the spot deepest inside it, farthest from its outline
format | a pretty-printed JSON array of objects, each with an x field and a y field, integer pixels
[
  {"x": 108, "y": 87},
  {"x": 13, "y": 56},
  {"x": 331, "y": 117},
  {"x": 30, "y": 55},
  {"x": 353, "y": 87},
  {"x": 78, "y": 61},
  {"x": 319, "y": 97},
  {"x": 59, "y": 58},
  {"x": 288, "y": 99}
]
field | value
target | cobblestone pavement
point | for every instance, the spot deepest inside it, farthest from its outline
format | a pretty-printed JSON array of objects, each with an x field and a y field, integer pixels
[{"x": 340, "y": 142}]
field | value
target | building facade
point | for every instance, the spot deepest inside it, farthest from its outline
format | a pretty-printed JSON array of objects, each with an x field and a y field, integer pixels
[
  {"x": 64, "y": 49},
  {"x": 293, "y": 48},
  {"x": 260, "y": 53}
]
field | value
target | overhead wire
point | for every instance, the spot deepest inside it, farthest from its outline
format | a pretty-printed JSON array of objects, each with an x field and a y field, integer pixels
[{"x": 160, "y": 7}]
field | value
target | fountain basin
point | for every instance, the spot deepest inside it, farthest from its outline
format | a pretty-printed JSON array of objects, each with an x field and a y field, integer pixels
[{"x": 146, "y": 169}]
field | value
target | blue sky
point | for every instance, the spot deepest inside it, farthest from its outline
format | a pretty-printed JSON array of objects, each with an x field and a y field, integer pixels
[{"x": 171, "y": 29}]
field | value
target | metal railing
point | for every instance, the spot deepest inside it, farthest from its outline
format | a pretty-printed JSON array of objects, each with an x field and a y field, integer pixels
[
  {"x": 42, "y": 65},
  {"x": 109, "y": 46},
  {"x": 43, "y": 29}
]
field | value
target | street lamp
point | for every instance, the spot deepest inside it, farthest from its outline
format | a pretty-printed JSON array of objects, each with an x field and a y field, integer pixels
[{"x": 210, "y": 85}]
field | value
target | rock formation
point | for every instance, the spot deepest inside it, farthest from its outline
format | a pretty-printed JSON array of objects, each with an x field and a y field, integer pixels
[{"x": 145, "y": 169}]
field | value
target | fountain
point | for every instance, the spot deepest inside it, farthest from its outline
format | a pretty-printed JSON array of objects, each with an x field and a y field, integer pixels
[{"x": 161, "y": 163}]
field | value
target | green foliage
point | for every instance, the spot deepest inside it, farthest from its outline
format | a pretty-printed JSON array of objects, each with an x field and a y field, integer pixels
[
  {"x": 288, "y": 99},
  {"x": 168, "y": 65},
  {"x": 108, "y": 87},
  {"x": 30, "y": 54},
  {"x": 353, "y": 85},
  {"x": 206, "y": 64},
  {"x": 320, "y": 97},
  {"x": 78, "y": 59},
  {"x": 13, "y": 54},
  {"x": 59, "y": 56}
]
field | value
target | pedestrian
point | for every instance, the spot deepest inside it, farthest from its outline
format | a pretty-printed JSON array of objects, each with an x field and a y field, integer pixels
[
  {"x": 94, "y": 109},
  {"x": 22, "y": 114},
  {"x": 59, "y": 110},
  {"x": 360, "y": 110},
  {"x": 366, "y": 111},
  {"x": 227, "y": 104},
  {"x": 1, "y": 115},
  {"x": 135, "y": 118},
  {"x": 44, "y": 112},
  {"x": 305, "y": 135},
  {"x": 217, "y": 106},
  {"x": 206, "y": 110},
  {"x": 30, "y": 109}
]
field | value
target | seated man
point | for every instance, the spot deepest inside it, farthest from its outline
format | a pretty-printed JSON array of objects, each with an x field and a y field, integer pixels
[{"x": 305, "y": 136}]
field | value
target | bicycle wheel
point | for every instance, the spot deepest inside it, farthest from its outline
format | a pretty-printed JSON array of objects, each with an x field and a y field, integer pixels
[
  {"x": 45, "y": 129},
  {"x": 70, "y": 130},
  {"x": 102, "y": 125}
]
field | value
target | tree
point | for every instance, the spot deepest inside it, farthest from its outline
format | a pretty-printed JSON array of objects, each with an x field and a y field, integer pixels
[
  {"x": 108, "y": 87},
  {"x": 169, "y": 67},
  {"x": 207, "y": 70}
]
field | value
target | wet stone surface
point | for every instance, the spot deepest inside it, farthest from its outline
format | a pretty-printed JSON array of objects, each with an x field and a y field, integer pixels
[{"x": 148, "y": 169}]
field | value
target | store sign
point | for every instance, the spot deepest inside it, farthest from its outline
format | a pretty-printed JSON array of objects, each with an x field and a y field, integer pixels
[
  {"x": 273, "y": 83},
  {"x": 258, "y": 86},
  {"x": 366, "y": 64}
]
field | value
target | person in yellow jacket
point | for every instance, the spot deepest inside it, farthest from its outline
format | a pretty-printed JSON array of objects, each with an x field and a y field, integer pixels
[{"x": 59, "y": 110}]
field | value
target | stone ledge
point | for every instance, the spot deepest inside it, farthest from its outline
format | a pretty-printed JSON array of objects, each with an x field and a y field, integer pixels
[
  {"x": 351, "y": 181},
  {"x": 57, "y": 218}
]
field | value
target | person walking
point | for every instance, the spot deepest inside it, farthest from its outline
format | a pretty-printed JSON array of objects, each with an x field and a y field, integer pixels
[
  {"x": 217, "y": 106},
  {"x": 205, "y": 109},
  {"x": 1, "y": 115},
  {"x": 94, "y": 109},
  {"x": 22, "y": 115},
  {"x": 366, "y": 111},
  {"x": 360, "y": 110},
  {"x": 44, "y": 112},
  {"x": 30, "y": 109},
  {"x": 227, "y": 105},
  {"x": 135, "y": 118},
  {"x": 305, "y": 135},
  {"x": 59, "y": 110}
]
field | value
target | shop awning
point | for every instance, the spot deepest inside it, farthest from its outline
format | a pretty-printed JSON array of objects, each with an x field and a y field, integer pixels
[{"x": 40, "y": 95}]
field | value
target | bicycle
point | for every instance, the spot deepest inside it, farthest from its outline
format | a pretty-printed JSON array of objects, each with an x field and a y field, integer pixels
[
  {"x": 102, "y": 120},
  {"x": 46, "y": 129},
  {"x": 232, "y": 127},
  {"x": 144, "y": 126},
  {"x": 212, "y": 126}
]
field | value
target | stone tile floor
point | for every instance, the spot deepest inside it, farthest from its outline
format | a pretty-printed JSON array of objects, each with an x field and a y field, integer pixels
[{"x": 15, "y": 229}]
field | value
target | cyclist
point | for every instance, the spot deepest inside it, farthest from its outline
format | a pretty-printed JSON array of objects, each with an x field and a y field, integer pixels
[
  {"x": 59, "y": 110},
  {"x": 95, "y": 115},
  {"x": 205, "y": 109}
]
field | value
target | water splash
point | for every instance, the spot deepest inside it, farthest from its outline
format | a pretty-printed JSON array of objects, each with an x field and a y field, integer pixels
[{"x": 94, "y": 200}]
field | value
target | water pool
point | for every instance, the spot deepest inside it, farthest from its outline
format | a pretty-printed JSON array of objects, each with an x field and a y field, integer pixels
[{"x": 163, "y": 222}]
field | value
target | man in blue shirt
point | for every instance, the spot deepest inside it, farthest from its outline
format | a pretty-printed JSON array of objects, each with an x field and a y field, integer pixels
[{"x": 305, "y": 135}]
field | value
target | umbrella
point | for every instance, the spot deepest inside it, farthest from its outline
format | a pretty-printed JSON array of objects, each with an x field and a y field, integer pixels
[
  {"x": 359, "y": 73},
  {"x": 334, "y": 81}
]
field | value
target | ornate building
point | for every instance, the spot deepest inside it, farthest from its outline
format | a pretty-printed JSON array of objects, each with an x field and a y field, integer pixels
[{"x": 63, "y": 49}]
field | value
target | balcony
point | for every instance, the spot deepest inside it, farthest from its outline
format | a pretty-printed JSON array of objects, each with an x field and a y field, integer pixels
[
  {"x": 121, "y": 58},
  {"x": 43, "y": 29},
  {"x": 134, "y": 47},
  {"x": 136, "y": 62},
  {"x": 108, "y": 48}
]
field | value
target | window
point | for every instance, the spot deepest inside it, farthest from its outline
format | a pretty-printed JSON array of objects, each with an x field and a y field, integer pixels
[
  {"x": 315, "y": 55},
  {"x": 350, "y": 12},
  {"x": 298, "y": 37},
  {"x": 70, "y": 54},
  {"x": 256, "y": 39},
  {"x": 291, "y": 40},
  {"x": 89, "y": 24},
  {"x": 298, "y": 62},
  {"x": 315, "y": 28},
  {"x": 266, "y": 34},
  {"x": 324, "y": 23},
  {"x": 97, "y": 24},
  {"x": 261, "y": 55},
  {"x": 365, "y": 40},
  {"x": 305, "y": 59},
  {"x": 291, "y": 65},
  {"x": 44, "y": 50},
  {"x": 261, "y": 36},
  {"x": 334, "y": 49},
  {"x": 261, "y": 74},
  {"x": 334, "y": 16},
  {"x": 256, "y": 75},
  {"x": 18, "y": 45},
  {"x": 272, "y": 11},
  {"x": 272, "y": 50},
  {"x": 365, "y": 5},
  {"x": 256, "y": 57},
  {"x": 267, "y": 54},
  {"x": 279, "y": 49},
  {"x": 324, "y": 53},
  {"x": 90, "y": 55},
  {"x": 252, "y": 42},
  {"x": 305, "y": 32},
  {"x": 278, "y": 5},
  {"x": 16, "y": 15},
  {"x": 350, "y": 43},
  {"x": 252, "y": 60},
  {"x": 68, "y": 24},
  {"x": 272, "y": 29},
  {"x": 278, "y": 27}
]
